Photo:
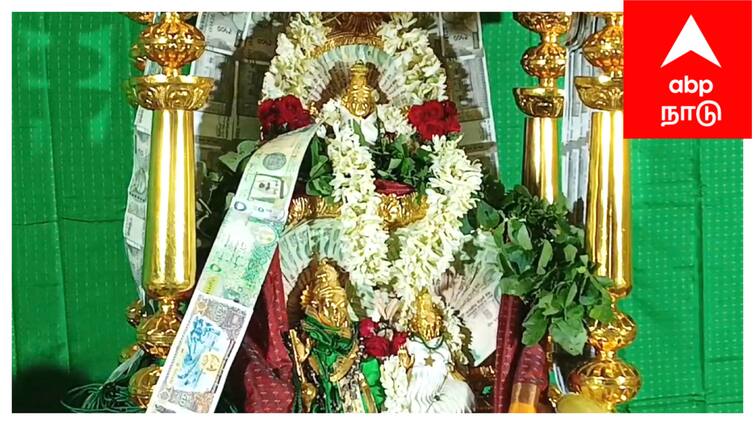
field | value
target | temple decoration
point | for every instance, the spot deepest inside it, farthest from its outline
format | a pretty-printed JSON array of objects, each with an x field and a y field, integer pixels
[
  {"x": 360, "y": 262},
  {"x": 170, "y": 241},
  {"x": 606, "y": 378}
]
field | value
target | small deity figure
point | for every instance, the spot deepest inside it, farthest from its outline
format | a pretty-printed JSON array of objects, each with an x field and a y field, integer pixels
[
  {"x": 434, "y": 384},
  {"x": 331, "y": 373},
  {"x": 358, "y": 98}
]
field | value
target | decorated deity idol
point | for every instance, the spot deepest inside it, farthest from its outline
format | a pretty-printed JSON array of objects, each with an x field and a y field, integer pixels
[
  {"x": 434, "y": 384},
  {"x": 330, "y": 372}
]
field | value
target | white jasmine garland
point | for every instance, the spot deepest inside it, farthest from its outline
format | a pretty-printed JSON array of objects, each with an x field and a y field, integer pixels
[
  {"x": 363, "y": 236},
  {"x": 395, "y": 382},
  {"x": 428, "y": 245},
  {"x": 291, "y": 71},
  {"x": 394, "y": 120}
]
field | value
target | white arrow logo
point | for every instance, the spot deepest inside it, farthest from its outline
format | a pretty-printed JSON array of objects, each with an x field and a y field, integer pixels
[{"x": 691, "y": 39}]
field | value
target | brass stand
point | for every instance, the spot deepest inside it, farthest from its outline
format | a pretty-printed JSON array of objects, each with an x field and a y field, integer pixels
[
  {"x": 170, "y": 238},
  {"x": 606, "y": 378},
  {"x": 544, "y": 104}
]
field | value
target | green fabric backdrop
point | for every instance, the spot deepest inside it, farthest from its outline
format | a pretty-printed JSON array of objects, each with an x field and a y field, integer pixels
[{"x": 72, "y": 161}]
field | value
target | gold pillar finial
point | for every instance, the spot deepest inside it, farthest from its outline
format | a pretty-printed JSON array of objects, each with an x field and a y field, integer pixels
[
  {"x": 608, "y": 229},
  {"x": 170, "y": 236},
  {"x": 542, "y": 105}
]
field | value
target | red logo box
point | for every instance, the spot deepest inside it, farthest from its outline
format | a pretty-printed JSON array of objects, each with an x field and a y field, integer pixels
[{"x": 687, "y": 69}]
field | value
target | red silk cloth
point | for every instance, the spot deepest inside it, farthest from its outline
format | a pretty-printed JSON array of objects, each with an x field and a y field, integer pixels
[
  {"x": 267, "y": 370},
  {"x": 508, "y": 347}
]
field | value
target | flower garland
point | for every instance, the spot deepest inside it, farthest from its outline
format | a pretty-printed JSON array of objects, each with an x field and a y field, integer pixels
[
  {"x": 290, "y": 71},
  {"x": 428, "y": 245},
  {"x": 363, "y": 236},
  {"x": 434, "y": 238},
  {"x": 395, "y": 382}
]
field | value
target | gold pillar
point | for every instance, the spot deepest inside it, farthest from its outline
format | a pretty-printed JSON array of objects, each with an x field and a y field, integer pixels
[
  {"x": 170, "y": 237},
  {"x": 606, "y": 378},
  {"x": 544, "y": 104}
]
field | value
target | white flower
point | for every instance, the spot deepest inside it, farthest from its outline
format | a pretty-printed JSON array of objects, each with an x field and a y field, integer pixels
[
  {"x": 394, "y": 120},
  {"x": 395, "y": 382}
]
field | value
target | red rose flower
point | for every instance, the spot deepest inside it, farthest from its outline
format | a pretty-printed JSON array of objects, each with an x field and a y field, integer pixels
[
  {"x": 376, "y": 346},
  {"x": 398, "y": 341},
  {"x": 367, "y": 327},
  {"x": 434, "y": 118},
  {"x": 278, "y": 116}
]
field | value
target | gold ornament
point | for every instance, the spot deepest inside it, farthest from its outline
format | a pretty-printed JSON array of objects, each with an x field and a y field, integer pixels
[
  {"x": 608, "y": 230},
  {"x": 605, "y": 50},
  {"x": 351, "y": 29},
  {"x": 358, "y": 98},
  {"x": 135, "y": 313},
  {"x": 396, "y": 210},
  {"x": 542, "y": 105},
  {"x": 141, "y": 383},
  {"x": 326, "y": 300},
  {"x": 170, "y": 240},
  {"x": 427, "y": 322}
]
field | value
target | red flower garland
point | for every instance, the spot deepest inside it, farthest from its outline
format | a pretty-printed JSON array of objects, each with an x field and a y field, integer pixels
[
  {"x": 282, "y": 115},
  {"x": 376, "y": 345},
  {"x": 434, "y": 118}
]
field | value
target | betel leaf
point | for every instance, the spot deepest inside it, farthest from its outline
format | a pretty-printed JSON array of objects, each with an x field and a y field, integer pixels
[
  {"x": 535, "y": 325},
  {"x": 543, "y": 261},
  {"x": 523, "y": 238},
  {"x": 569, "y": 252},
  {"x": 487, "y": 217},
  {"x": 571, "y": 336},
  {"x": 545, "y": 257}
]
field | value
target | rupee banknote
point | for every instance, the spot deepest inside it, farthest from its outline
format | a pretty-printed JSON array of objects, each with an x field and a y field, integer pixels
[
  {"x": 223, "y": 31},
  {"x": 223, "y": 301}
]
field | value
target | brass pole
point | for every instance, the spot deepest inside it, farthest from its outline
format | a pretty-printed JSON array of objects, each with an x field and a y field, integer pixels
[
  {"x": 543, "y": 105},
  {"x": 606, "y": 378},
  {"x": 170, "y": 237}
]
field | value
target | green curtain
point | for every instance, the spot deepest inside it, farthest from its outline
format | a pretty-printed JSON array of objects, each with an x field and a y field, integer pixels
[{"x": 72, "y": 161}]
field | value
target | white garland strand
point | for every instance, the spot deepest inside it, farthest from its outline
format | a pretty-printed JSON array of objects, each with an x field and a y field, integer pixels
[
  {"x": 290, "y": 70},
  {"x": 395, "y": 382},
  {"x": 363, "y": 236}
]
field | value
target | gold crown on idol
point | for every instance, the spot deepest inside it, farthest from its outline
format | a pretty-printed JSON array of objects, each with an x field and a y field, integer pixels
[
  {"x": 325, "y": 298},
  {"x": 352, "y": 28},
  {"x": 427, "y": 321}
]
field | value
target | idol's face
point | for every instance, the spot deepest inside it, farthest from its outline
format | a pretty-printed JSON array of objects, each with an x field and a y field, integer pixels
[{"x": 334, "y": 310}]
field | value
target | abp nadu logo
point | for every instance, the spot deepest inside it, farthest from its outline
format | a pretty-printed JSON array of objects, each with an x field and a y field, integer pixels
[{"x": 707, "y": 112}]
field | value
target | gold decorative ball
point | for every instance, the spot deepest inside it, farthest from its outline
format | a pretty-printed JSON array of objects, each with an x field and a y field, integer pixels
[
  {"x": 156, "y": 333},
  {"x": 545, "y": 61},
  {"x": 615, "y": 335},
  {"x": 141, "y": 384},
  {"x": 556, "y": 23},
  {"x": 605, "y": 48},
  {"x": 173, "y": 43},
  {"x": 609, "y": 381}
]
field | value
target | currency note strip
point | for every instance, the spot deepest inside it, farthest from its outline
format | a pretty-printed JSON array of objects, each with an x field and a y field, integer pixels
[{"x": 219, "y": 312}]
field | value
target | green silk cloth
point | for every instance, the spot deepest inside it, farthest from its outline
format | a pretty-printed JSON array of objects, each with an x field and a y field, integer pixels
[{"x": 329, "y": 346}]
